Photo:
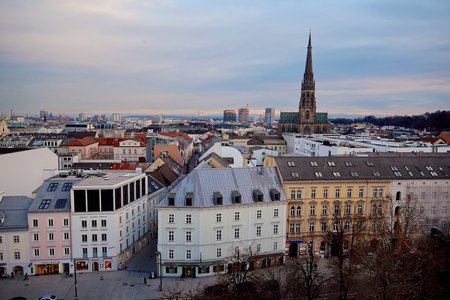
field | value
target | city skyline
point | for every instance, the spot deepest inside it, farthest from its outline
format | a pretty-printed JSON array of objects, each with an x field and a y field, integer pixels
[{"x": 174, "y": 57}]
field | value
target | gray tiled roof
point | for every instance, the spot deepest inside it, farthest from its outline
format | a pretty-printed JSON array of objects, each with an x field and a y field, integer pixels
[
  {"x": 389, "y": 167},
  {"x": 203, "y": 183},
  {"x": 43, "y": 193},
  {"x": 13, "y": 210}
]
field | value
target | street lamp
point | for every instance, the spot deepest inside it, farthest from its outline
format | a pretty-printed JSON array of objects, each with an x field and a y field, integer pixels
[
  {"x": 75, "y": 275},
  {"x": 160, "y": 269}
]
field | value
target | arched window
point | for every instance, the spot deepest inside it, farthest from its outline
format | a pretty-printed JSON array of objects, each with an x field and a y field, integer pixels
[
  {"x": 292, "y": 211},
  {"x": 299, "y": 211},
  {"x": 307, "y": 115},
  {"x": 398, "y": 195}
]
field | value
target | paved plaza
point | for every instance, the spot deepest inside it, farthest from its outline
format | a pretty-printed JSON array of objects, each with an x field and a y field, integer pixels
[{"x": 127, "y": 284}]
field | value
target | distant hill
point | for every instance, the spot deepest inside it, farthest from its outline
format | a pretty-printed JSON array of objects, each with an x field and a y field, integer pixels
[{"x": 439, "y": 120}]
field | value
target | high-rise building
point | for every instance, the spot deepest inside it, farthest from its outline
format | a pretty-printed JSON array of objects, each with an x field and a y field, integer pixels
[
  {"x": 116, "y": 117},
  {"x": 229, "y": 115},
  {"x": 42, "y": 115},
  {"x": 81, "y": 117},
  {"x": 243, "y": 115},
  {"x": 306, "y": 120},
  {"x": 269, "y": 115}
]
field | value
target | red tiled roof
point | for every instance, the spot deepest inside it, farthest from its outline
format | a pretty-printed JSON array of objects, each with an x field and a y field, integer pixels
[
  {"x": 81, "y": 142},
  {"x": 445, "y": 136}
]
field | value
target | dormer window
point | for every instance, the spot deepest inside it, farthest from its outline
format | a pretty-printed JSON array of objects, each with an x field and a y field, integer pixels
[
  {"x": 275, "y": 195},
  {"x": 218, "y": 198},
  {"x": 258, "y": 196},
  {"x": 171, "y": 198},
  {"x": 235, "y": 197},
  {"x": 188, "y": 199}
]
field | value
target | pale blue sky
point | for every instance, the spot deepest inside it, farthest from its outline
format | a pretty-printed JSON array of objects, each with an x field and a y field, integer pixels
[{"x": 149, "y": 57}]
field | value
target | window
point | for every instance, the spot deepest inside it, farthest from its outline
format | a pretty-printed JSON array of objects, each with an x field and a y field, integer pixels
[
  {"x": 188, "y": 236},
  {"x": 17, "y": 255},
  {"x": 348, "y": 209},
  {"x": 258, "y": 247},
  {"x": 236, "y": 216},
  {"x": 66, "y": 186},
  {"x": 83, "y": 224},
  {"x": 360, "y": 208},
  {"x": 50, "y": 222},
  {"x": 299, "y": 194},
  {"x": 219, "y": 235},
  {"x": 171, "y": 236},
  {"x": 104, "y": 251},
  {"x": 170, "y": 254},
  {"x": 444, "y": 209},
  {"x": 35, "y": 223},
  {"x": 347, "y": 225},
  {"x": 84, "y": 238},
  {"x": 323, "y": 226},
  {"x": 318, "y": 174},
  {"x": 103, "y": 223},
  {"x": 297, "y": 228},
  {"x": 37, "y": 252},
  {"x": 35, "y": 237},
  {"x": 361, "y": 192},
  {"x": 336, "y": 209},
  {"x": 312, "y": 210},
  {"x": 16, "y": 239},
  {"x": 434, "y": 195},
  {"x": 258, "y": 230},
  {"x": 51, "y": 252},
  {"x": 94, "y": 237},
  {"x": 188, "y": 219},
  {"x": 275, "y": 212},
  {"x": 219, "y": 252},
  {"x": 422, "y": 195},
  {"x": 94, "y": 223},
  {"x": 258, "y": 214},
  {"x": 338, "y": 192},
  {"x": 311, "y": 226},
  {"x": 236, "y": 233},
  {"x": 218, "y": 218},
  {"x": 291, "y": 228},
  {"x": 66, "y": 251},
  {"x": 94, "y": 252},
  {"x": 171, "y": 218},
  {"x": 52, "y": 187},
  {"x": 313, "y": 193},
  {"x": 374, "y": 192},
  {"x": 324, "y": 210},
  {"x": 292, "y": 194},
  {"x": 45, "y": 204},
  {"x": 336, "y": 174},
  {"x": 275, "y": 229},
  {"x": 1, "y": 255},
  {"x": 380, "y": 193},
  {"x": 325, "y": 193},
  {"x": 85, "y": 252},
  {"x": 292, "y": 211},
  {"x": 66, "y": 222},
  {"x": 51, "y": 237},
  {"x": 331, "y": 164},
  {"x": 66, "y": 236},
  {"x": 335, "y": 226},
  {"x": 433, "y": 210},
  {"x": 349, "y": 192},
  {"x": 188, "y": 254}
]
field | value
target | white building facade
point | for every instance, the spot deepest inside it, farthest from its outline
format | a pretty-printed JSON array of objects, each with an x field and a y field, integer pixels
[
  {"x": 212, "y": 214},
  {"x": 108, "y": 220}
]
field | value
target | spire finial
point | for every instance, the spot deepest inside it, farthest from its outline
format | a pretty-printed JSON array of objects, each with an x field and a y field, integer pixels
[{"x": 309, "y": 41}]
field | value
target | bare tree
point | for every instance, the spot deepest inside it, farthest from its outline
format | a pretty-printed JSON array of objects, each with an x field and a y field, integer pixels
[
  {"x": 345, "y": 237},
  {"x": 303, "y": 278}
]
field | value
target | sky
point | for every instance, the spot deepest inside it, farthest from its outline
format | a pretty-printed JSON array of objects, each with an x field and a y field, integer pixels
[{"x": 201, "y": 57}]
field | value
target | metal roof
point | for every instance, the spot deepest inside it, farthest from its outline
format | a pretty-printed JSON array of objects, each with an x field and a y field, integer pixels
[
  {"x": 13, "y": 212},
  {"x": 381, "y": 167},
  {"x": 203, "y": 183}
]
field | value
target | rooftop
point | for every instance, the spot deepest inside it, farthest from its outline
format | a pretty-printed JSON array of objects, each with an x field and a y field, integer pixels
[{"x": 13, "y": 212}]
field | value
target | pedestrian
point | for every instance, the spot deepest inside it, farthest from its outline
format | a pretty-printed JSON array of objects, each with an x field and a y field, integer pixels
[
  {"x": 26, "y": 276},
  {"x": 12, "y": 275},
  {"x": 145, "y": 280}
]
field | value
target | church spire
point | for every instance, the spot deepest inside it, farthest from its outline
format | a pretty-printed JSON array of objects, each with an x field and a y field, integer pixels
[{"x": 308, "y": 77}]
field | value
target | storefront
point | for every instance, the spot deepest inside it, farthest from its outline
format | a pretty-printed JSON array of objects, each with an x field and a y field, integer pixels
[{"x": 46, "y": 268}]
